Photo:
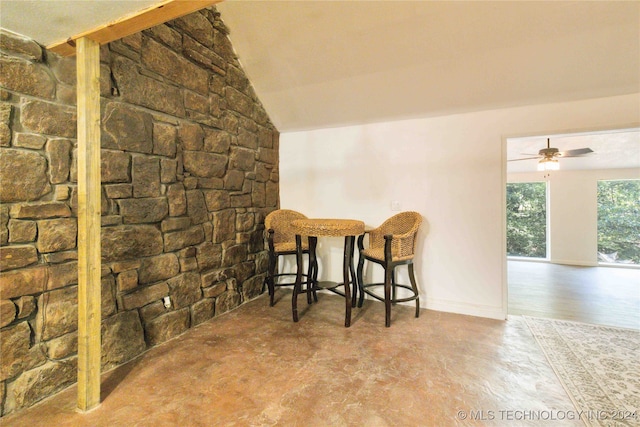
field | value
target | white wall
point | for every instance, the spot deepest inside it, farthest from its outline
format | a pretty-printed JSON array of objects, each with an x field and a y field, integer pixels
[
  {"x": 450, "y": 169},
  {"x": 573, "y": 211}
]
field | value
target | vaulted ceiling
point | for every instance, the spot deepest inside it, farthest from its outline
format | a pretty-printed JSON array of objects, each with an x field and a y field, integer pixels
[{"x": 319, "y": 64}]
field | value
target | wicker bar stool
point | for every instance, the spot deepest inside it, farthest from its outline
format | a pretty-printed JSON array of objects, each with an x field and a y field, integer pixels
[
  {"x": 281, "y": 239},
  {"x": 391, "y": 244}
]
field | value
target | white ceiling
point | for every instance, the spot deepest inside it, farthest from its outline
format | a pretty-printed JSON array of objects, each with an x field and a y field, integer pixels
[
  {"x": 51, "y": 21},
  {"x": 319, "y": 64}
]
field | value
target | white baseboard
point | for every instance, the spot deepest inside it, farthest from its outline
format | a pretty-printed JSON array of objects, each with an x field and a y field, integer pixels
[
  {"x": 466, "y": 308},
  {"x": 574, "y": 262},
  {"x": 476, "y": 310}
]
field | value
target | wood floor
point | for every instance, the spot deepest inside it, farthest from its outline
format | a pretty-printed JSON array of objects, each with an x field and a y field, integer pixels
[{"x": 598, "y": 295}]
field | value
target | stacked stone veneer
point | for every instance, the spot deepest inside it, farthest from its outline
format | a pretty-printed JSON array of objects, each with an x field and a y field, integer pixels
[{"x": 189, "y": 170}]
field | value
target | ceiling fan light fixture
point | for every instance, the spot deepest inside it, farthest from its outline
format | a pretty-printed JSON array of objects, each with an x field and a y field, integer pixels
[
  {"x": 548, "y": 164},
  {"x": 548, "y": 157}
]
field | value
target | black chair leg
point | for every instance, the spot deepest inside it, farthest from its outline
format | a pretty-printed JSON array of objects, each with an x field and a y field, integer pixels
[
  {"x": 359, "y": 277},
  {"x": 388, "y": 272},
  {"x": 312, "y": 271},
  {"x": 394, "y": 288},
  {"x": 360, "y": 281},
  {"x": 412, "y": 278},
  {"x": 298, "y": 285},
  {"x": 354, "y": 278},
  {"x": 270, "y": 280},
  {"x": 313, "y": 276}
]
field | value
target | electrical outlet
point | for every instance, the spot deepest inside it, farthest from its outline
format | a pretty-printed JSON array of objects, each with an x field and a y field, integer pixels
[{"x": 395, "y": 205}]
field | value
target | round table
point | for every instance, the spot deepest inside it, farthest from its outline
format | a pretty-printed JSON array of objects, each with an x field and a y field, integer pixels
[{"x": 312, "y": 228}]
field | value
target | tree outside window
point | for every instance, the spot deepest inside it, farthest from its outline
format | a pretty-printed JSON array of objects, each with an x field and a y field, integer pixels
[
  {"x": 619, "y": 221},
  {"x": 527, "y": 219}
]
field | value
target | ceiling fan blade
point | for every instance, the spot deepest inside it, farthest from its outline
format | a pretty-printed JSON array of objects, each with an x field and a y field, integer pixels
[
  {"x": 576, "y": 152},
  {"x": 525, "y": 158}
]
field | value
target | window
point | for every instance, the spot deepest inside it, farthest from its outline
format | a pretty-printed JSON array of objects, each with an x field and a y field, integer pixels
[
  {"x": 527, "y": 219},
  {"x": 619, "y": 221}
]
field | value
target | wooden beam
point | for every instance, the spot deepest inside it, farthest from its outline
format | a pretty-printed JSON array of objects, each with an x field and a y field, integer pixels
[
  {"x": 131, "y": 24},
  {"x": 89, "y": 262}
]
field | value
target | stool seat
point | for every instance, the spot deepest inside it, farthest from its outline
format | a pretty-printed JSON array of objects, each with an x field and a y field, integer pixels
[{"x": 289, "y": 247}]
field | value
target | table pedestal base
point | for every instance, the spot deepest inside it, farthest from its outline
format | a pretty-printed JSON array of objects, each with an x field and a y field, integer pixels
[{"x": 348, "y": 272}]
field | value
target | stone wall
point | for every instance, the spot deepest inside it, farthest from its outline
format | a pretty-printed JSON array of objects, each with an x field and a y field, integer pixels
[{"x": 189, "y": 170}]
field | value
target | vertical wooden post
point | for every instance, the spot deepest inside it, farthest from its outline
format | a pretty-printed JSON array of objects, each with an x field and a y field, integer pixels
[{"x": 89, "y": 262}]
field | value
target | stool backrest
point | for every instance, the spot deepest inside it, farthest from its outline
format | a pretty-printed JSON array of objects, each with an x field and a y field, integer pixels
[
  {"x": 280, "y": 222},
  {"x": 404, "y": 227}
]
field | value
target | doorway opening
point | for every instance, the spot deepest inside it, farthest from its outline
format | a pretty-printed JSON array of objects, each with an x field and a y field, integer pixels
[{"x": 571, "y": 281}]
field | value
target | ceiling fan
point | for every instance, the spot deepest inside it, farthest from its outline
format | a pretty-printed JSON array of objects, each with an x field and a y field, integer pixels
[{"x": 549, "y": 156}]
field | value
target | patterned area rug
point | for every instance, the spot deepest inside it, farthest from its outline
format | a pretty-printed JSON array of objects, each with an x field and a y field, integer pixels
[{"x": 599, "y": 367}]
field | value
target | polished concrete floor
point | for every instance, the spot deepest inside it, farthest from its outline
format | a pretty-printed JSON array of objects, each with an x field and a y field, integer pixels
[
  {"x": 255, "y": 367},
  {"x": 599, "y": 295}
]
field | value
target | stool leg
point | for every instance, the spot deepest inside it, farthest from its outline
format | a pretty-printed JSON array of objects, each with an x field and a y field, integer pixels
[
  {"x": 354, "y": 278},
  {"x": 312, "y": 272},
  {"x": 346, "y": 264},
  {"x": 298, "y": 285},
  {"x": 388, "y": 271},
  {"x": 270, "y": 275},
  {"x": 360, "y": 268},
  {"x": 388, "y": 279},
  {"x": 394, "y": 288},
  {"x": 412, "y": 278}
]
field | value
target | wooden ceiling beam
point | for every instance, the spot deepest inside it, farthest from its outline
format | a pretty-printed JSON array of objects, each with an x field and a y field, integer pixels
[{"x": 155, "y": 15}]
